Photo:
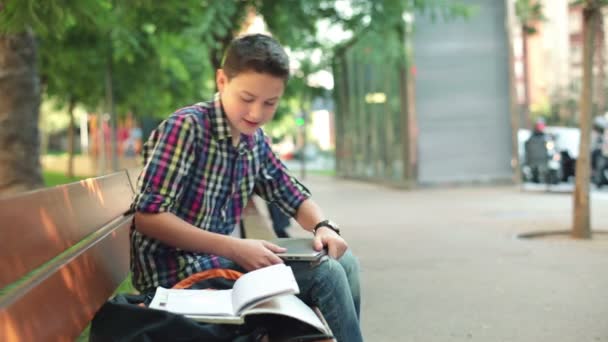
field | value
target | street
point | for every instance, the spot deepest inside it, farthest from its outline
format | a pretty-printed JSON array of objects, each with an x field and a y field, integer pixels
[{"x": 445, "y": 264}]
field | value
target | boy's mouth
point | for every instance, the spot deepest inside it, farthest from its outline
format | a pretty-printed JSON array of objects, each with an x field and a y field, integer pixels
[{"x": 251, "y": 123}]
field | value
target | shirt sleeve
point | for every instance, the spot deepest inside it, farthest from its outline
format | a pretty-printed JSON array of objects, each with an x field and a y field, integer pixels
[
  {"x": 172, "y": 151},
  {"x": 276, "y": 185}
]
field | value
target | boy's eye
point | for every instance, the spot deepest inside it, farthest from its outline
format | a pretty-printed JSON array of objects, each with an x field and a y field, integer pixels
[
  {"x": 247, "y": 100},
  {"x": 270, "y": 103}
]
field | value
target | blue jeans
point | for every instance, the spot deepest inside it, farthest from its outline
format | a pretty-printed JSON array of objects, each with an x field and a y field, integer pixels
[
  {"x": 280, "y": 221},
  {"x": 332, "y": 286}
]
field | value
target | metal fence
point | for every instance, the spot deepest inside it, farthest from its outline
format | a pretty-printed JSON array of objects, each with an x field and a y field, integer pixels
[{"x": 372, "y": 126}]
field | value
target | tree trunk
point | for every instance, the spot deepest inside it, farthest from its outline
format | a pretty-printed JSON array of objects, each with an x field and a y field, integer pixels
[
  {"x": 305, "y": 110},
  {"x": 71, "y": 128},
  {"x": 515, "y": 111},
  {"x": 19, "y": 109},
  {"x": 600, "y": 62},
  {"x": 111, "y": 108},
  {"x": 582, "y": 221},
  {"x": 526, "y": 71}
]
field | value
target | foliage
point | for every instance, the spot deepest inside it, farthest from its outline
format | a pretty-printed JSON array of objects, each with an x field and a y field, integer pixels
[
  {"x": 590, "y": 3},
  {"x": 49, "y": 16},
  {"x": 153, "y": 66},
  {"x": 529, "y": 12},
  {"x": 163, "y": 55}
]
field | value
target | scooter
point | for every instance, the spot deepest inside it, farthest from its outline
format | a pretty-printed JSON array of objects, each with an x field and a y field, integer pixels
[
  {"x": 543, "y": 161},
  {"x": 599, "y": 156},
  {"x": 600, "y": 167},
  {"x": 601, "y": 173}
]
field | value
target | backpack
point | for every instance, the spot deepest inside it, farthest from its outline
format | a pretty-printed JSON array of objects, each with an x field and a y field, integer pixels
[{"x": 125, "y": 317}]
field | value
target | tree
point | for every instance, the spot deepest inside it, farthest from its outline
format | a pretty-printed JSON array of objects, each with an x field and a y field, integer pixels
[
  {"x": 20, "y": 84},
  {"x": 591, "y": 25},
  {"x": 529, "y": 13},
  {"x": 71, "y": 70},
  {"x": 138, "y": 48},
  {"x": 139, "y": 58},
  {"x": 19, "y": 101}
]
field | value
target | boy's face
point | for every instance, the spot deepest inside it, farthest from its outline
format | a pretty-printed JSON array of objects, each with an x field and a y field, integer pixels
[{"x": 250, "y": 99}]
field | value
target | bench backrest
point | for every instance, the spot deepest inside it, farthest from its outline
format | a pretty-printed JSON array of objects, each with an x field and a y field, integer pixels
[
  {"x": 256, "y": 220},
  {"x": 64, "y": 251}
]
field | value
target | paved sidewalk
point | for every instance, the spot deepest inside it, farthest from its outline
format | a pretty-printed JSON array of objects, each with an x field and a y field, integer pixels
[{"x": 445, "y": 264}]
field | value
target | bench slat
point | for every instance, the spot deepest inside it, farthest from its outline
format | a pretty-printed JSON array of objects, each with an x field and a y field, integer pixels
[
  {"x": 62, "y": 305},
  {"x": 42, "y": 224},
  {"x": 133, "y": 174},
  {"x": 256, "y": 220}
]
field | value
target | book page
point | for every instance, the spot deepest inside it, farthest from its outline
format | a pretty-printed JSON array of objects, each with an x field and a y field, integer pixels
[
  {"x": 217, "y": 319},
  {"x": 291, "y": 306},
  {"x": 259, "y": 285},
  {"x": 194, "y": 302}
]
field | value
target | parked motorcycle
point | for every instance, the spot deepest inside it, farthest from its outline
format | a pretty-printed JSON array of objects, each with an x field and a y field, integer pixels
[
  {"x": 599, "y": 155},
  {"x": 542, "y": 160}
]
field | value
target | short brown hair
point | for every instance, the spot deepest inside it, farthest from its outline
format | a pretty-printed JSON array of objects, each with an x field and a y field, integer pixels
[{"x": 256, "y": 52}]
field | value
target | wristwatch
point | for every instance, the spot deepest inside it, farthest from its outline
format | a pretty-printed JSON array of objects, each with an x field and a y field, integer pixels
[{"x": 329, "y": 224}]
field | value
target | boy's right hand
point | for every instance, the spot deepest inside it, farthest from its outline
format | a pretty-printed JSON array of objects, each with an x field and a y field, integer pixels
[{"x": 253, "y": 254}]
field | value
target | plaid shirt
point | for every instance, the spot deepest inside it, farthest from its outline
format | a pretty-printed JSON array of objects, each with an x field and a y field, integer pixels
[{"x": 192, "y": 170}]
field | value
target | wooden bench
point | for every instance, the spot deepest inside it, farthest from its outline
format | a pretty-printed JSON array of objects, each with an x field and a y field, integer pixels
[
  {"x": 64, "y": 252},
  {"x": 256, "y": 222}
]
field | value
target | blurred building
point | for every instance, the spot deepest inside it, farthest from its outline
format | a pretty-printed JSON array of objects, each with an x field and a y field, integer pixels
[
  {"x": 322, "y": 123},
  {"x": 443, "y": 118},
  {"x": 575, "y": 38},
  {"x": 547, "y": 53},
  {"x": 554, "y": 56}
]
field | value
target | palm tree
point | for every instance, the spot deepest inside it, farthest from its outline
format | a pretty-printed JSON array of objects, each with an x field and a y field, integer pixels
[{"x": 529, "y": 13}]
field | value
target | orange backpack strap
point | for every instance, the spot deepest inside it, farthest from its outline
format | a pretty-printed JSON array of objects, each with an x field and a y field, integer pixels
[{"x": 208, "y": 274}]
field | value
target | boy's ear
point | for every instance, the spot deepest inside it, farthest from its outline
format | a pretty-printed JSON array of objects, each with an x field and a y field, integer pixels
[{"x": 220, "y": 79}]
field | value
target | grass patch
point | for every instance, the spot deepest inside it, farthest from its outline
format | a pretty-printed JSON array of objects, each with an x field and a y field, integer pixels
[
  {"x": 57, "y": 178},
  {"x": 322, "y": 172},
  {"x": 125, "y": 287}
]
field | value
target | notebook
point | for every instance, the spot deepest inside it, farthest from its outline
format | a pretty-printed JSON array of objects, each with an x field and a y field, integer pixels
[
  {"x": 264, "y": 295},
  {"x": 250, "y": 289}
]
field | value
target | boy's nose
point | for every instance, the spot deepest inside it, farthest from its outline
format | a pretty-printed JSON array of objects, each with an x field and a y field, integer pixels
[{"x": 256, "y": 113}]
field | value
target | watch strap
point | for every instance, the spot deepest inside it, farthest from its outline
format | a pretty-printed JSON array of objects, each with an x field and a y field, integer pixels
[{"x": 327, "y": 224}]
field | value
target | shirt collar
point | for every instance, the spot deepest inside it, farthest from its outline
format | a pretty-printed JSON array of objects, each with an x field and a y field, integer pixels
[
  {"x": 219, "y": 121},
  {"x": 221, "y": 127}
]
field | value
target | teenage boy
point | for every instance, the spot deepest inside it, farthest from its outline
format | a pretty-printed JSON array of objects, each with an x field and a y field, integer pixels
[{"x": 202, "y": 165}]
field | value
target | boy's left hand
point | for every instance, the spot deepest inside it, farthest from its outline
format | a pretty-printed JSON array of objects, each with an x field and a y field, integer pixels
[{"x": 335, "y": 244}]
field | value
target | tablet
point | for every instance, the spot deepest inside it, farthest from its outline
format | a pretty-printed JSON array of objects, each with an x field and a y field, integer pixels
[{"x": 298, "y": 249}]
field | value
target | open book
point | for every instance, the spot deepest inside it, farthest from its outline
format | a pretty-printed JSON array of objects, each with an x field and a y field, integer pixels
[{"x": 268, "y": 291}]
